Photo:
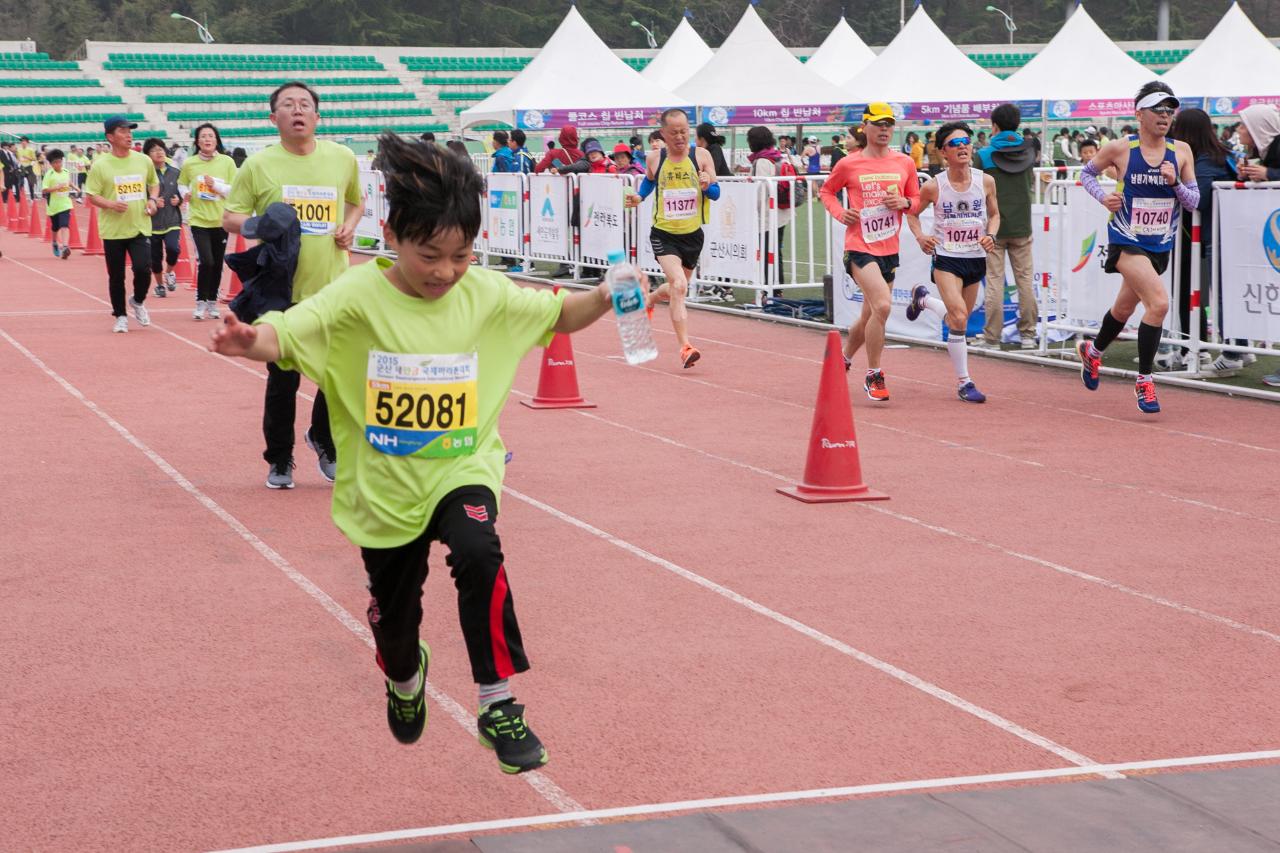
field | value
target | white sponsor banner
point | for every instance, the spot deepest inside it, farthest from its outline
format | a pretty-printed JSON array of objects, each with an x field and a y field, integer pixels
[
  {"x": 731, "y": 248},
  {"x": 914, "y": 269},
  {"x": 644, "y": 249},
  {"x": 371, "y": 219},
  {"x": 600, "y": 216},
  {"x": 504, "y": 203},
  {"x": 549, "y": 216},
  {"x": 1089, "y": 291},
  {"x": 1249, "y": 246}
]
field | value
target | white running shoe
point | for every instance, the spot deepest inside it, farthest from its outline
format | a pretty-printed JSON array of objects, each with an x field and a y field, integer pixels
[
  {"x": 139, "y": 312},
  {"x": 211, "y": 311},
  {"x": 122, "y": 325},
  {"x": 171, "y": 281},
  {"x": 198, "y": 314},
  {"x": 1225, "y": 364}
]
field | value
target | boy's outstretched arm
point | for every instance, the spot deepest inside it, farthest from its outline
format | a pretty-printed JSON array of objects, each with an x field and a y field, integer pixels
[
  {"x": 583, "y": 307},
  {"x": 257, "y": 343}
]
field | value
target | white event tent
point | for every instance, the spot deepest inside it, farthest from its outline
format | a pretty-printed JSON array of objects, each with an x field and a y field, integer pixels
[
  {"x": 1080, "y": 62},
  {"x": 683, "y": 54},
  {"x": 575, "y": 70},
  {"x": 921, "y": 65},
  {"x": 753, "y": 68},
  {"x": 1234, "y": 60},
  {"x": 841, "y": 55}
]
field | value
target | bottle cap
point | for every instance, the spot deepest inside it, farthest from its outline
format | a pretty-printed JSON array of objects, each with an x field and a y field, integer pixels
[{"x": 616, "y": 257}]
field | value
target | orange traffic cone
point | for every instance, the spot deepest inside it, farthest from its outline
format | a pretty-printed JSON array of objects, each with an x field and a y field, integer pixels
[
  {"x": 34, "y": 230},
  {"x": 233, "y": 289},
  {"x": 7, "y": 211},
  {"x": 20, "y": 225},
  {"x": 186, "y": 268},
  {"x": 74, "y": 236},
  {"x": 558, "y": 381},
  {"x": 93, "y": 243},
  {"x": 48, "y": 230},
  {"x": 832, "y": 471}
]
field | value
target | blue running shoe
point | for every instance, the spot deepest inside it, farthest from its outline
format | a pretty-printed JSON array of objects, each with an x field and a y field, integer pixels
[
  {"x": 1145, "y": 391},
  {"x": 970, "y": 393},
  {"x": 1089, "y": 365},
  {"x": 917, "y": 301}
]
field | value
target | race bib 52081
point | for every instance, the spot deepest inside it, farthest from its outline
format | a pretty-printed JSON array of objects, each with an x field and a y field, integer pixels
[
  {"x": 422, "y": 405},
  {"x": 130, "y": 188},
  {"x": 317, "y": 207},
  {"x": 680, "y": 203},
  {"x": 1151, "y": 217},
  {"x": 878, "y": 223}
]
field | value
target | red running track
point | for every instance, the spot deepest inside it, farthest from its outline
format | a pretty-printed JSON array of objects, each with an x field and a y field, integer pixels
[{"x": 1056, "y": 580}]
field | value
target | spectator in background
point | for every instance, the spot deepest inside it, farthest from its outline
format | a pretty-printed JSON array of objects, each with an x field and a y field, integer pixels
[
  {"x": 857, "y": 140},
  {"x": 1062, "y": 152},
  {"x": 714, "y": 144},
  {"x": 931, "y": 154},
  {"x": 786, "y": 145},
  {"x": 637, "y": 150},
  {"x": 766, "y": 161},
  {"x": 656, "y": 142},
  {"x": 12, "y": 171},
  {"x": 458, "y": 147},
  {"x": 982, "y": 139},
  {"x": 915, "y": 149},
  {"x": 503, "y": 157},
  {"x": 428, "y": 137},
  {"x": 1259, "y": 133},
  {"x": 524, "y": 160},
  {"x": 811, "y": 156},
  {"x": 567, "y": 153},
  {"x": 1010, "y": 159},
  {"x": 27, "y": 160},
  {"x": 1214, "y": 161},
  {"x": 837, "y": 149},
  {"x": 593, "y": 161},
  {"x": 238, "y": 156},
  {"x": 624, "y": 160}
]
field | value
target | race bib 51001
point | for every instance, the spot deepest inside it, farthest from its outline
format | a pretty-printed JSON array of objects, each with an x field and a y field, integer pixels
[
  {"x": 317, "y": 207},
  {"x": 422, "y": 405}
]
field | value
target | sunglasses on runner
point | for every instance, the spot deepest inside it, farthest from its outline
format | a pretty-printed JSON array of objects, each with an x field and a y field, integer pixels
[
  {"x": 957, "y": 142},
  {"x": 1164, "y": 111},
  {"x": 884, "y": 122}
]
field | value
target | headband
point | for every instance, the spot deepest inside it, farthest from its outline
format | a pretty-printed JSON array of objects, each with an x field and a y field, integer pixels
[{"x": 1155, "y": 99}]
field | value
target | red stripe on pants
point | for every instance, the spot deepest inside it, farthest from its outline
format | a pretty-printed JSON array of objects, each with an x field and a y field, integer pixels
[{"x": 497, "y": 628}]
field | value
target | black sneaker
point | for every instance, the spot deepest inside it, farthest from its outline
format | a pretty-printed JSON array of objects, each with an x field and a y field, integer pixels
[
  {"x": 407, "y": 717},
  {"x": 502, "y": 728}
]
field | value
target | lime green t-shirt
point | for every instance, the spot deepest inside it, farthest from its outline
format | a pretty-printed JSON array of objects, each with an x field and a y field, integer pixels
[
  {"x": 58, "y": 186},
  {"x": 318, "y": 186},
  {"x": 128, "y": 179},
  {"x": 414, "y": 388},
  {"x": 198, "y": 175}
]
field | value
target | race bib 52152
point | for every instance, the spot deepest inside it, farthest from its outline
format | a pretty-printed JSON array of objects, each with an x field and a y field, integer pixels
[
  {"x": 422, "y": 405},
  {"x": 317, "y": 207},
  {"x": 130, "y": 188}
]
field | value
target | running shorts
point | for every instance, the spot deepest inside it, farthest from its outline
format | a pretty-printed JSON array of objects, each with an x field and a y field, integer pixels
[
  {"x": 1159, "y": 260},
  {"x": 687, "y": 247},
  {"x": 888, "y": 263},
  {"x": 970, "y": 271}
]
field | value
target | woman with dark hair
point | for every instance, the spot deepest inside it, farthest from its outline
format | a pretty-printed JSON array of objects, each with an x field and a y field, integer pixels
[
  {"x": 166, "y": 222},
  {"x": 1214, "y": 161},
  {"x": 207, "y": 178},
  {"x": 765, "y": 159},
  {"x": 238, "y": 156},
  {"x": 458, "y": 147},
  {"x": 714, "y": 144}
]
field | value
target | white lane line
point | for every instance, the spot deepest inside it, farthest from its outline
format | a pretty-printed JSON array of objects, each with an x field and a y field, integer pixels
[
  {"x": 762, "y": 799},
  {"x": 82, "y": 311},
  {"x": 952, "y": 444},
  {"x": 990, "y": 717},
  {"x": 546, "y": 788},
  {"x": 1115, "y": 586}
]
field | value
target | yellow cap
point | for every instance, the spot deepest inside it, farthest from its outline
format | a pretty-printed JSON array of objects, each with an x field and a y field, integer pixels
[{"x": 878, "y": 111}]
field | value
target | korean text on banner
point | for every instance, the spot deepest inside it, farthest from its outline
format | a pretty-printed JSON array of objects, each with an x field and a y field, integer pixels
[
  {"x": 505, "y": 234},
  {"x": 729, "y": 251},
  {"x": 549, "y": 216},
  {"x": 600, "y": 203},
  {"x": 1249, "y": 246}
]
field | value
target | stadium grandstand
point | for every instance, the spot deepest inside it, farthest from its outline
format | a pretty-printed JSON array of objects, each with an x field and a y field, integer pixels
[{"x": 169, "y": 88}]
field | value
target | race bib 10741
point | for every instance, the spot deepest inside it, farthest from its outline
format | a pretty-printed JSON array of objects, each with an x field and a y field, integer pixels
[
  {"x": 422, "y": 405},
  {"x": 879, "y": 223}
]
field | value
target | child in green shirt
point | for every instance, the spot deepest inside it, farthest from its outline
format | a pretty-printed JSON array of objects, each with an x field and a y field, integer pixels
[
  {"x": 417, "y": 358},
  {"x": 56, "y": 188}
]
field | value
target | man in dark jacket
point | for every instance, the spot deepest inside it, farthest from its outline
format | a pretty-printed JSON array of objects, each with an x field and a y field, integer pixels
[{"x": 1011, "y": 160}]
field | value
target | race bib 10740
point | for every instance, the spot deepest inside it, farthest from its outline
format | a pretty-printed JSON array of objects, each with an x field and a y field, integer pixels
[
  {"x": 1151, "y": 217},
  {"x": 317, "y": 207},
  {"x": 422, "y": 405}
]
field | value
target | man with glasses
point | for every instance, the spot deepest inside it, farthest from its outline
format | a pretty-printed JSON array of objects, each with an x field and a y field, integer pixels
[
  {"x": 881, "y": 185},
  {"x": 965, "y": 215},
  {"x": 1157, "y": 175},
  {"x": 321, "y": 182}
]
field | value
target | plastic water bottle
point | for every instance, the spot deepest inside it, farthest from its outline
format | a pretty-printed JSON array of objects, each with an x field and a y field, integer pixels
[{"x": 628, "y": 307}]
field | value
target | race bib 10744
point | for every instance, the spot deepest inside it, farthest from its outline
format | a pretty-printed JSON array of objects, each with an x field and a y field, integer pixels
[
  {"x": 422, "y": 405},
  {"x": 317, "y": 207}
]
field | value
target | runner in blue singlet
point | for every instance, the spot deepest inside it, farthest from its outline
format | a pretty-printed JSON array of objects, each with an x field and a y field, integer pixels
[{"x": 1157, "y": 176}]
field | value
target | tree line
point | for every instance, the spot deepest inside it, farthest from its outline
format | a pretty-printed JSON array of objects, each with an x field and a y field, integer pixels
[{"x": 60, "y": 27}]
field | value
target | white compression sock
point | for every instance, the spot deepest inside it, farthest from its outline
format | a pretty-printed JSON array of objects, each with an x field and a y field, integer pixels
[
  {"x": 937, "y": 306},
  {"x": 493, "y": 693},
  {"x": 410, "y": 687},
  {"x": 959, "y": 353}
]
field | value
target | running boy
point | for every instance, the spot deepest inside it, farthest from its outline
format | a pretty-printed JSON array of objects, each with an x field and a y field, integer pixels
[
  {"x": 965, "y": 215},
  {"x": 56, "y": 186},
  {"x": 1144, "y": 219},
  {"x": 417, "y": 358}
]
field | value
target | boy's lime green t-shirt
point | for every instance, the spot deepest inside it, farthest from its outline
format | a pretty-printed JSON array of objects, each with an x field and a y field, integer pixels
[
  {"x": 128, "y": 179},
  {"x": 58, "y": 186},
  {"x": 402, "y": 374},
  {"x": 318, "y": 186},
  {"x": 204, "y": 203}
]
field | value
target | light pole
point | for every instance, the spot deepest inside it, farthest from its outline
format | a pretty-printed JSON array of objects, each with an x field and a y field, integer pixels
[
  {"x": 653, "y": 42},
  {"x": 1008, "y": 22},
  {"x": 201, "y": 29}
]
